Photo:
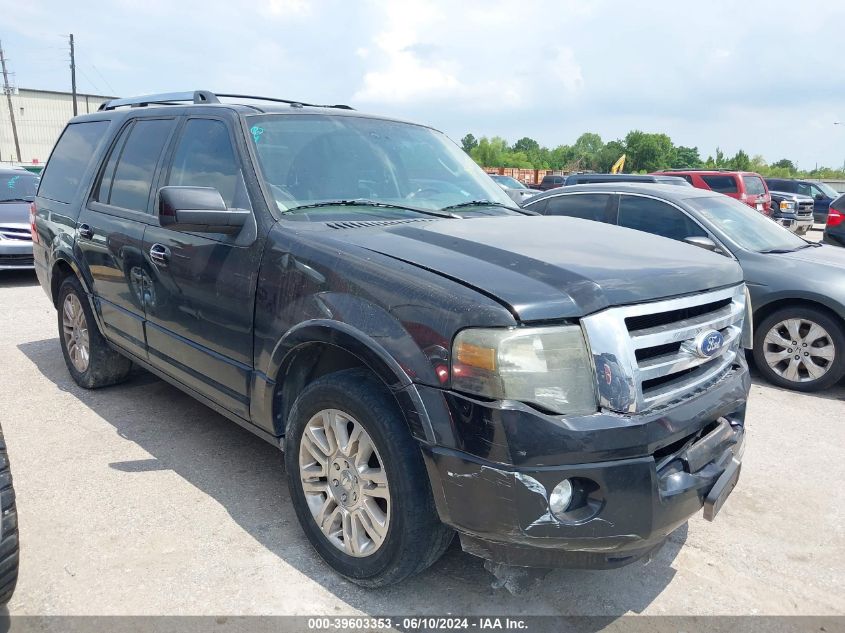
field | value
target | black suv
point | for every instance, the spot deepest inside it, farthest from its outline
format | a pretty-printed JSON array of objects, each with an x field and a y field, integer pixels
[{"x": 356, "y": 290}]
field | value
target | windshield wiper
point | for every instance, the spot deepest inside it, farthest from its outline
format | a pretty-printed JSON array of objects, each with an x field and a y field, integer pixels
[
  {"x": 788, "y": 250},
  {"x": 480, "y": 203},
  {"x": 371, "y": 203}
]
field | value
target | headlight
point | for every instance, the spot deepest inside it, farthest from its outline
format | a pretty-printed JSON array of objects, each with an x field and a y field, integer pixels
[
  {"x": 546, "y": 366},
  {"x": 785, "y": 205}
]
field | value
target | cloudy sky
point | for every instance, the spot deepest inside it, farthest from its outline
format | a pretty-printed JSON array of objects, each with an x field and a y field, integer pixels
[{"x": 766, "y": 77}]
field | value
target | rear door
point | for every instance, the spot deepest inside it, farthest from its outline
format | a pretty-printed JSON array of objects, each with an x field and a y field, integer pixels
[
  {"x": 200, "y": 315},
  {"x": 111, "y": 227},
  {"x": 756, "y": 193}
]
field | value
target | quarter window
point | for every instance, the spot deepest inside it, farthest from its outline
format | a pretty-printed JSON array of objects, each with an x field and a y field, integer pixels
[
  {"x": 70, "y": 160},
  {"x": 587, "y": 206},
  {"x": 205, "y": 157},
  {"x": 722, "y": 184},
  {"x": 657, "y": 218}
]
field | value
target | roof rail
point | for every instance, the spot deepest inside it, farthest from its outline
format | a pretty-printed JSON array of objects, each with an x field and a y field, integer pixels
[
  {"x": 699, "y": 169},
  {"x": 288, "y": 101},
  {"x": 167, "y": 98},
  {"x": 201, "y": 97}
]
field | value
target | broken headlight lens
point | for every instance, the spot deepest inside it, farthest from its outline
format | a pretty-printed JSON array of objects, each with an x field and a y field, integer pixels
[{"x": 545, "y": 366}]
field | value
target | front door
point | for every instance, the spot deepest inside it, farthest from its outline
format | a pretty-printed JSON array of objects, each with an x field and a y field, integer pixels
[
  {"x": 200, "y": 313},
  {"x": 111, "y": 227}
]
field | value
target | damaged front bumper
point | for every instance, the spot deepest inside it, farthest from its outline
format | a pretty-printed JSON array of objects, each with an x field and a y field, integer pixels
[{"x": 650, "y": 474}]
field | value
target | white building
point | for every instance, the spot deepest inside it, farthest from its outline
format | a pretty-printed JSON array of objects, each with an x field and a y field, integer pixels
[{"x": 40, "y": 116}]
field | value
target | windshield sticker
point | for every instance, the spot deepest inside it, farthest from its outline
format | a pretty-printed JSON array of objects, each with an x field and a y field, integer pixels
[
  {"x": 12, "y": 182},
  {"x": 256, "y": 132}
]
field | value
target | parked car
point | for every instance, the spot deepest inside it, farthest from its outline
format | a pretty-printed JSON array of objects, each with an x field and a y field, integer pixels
[
  {"x": 834, "y": 230},
  {"x": 792, "y": 211},
  {"x": 551, "y": 181},
  {"x": 585, "y": 179},
  {"x": 516, "y": 190},
  {"x": 17, "y": 191},
  {"x": 745, "y": 186},
  {"x": 821, "y": 193},
  {"x": 797, "y": 287},
  {"x": 358, "y": 291}
]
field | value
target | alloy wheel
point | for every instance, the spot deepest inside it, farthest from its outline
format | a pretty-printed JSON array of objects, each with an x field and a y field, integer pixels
[
  {"x": 75, "y": 330},
  {"x": 344, "y": 482},
  {"x": 799, "y": 350}
]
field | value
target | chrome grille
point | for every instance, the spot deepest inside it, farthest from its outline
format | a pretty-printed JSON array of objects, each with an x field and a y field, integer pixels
[
  {"x": 19, "y": 233},
  {"x": 645, "y": 355},
  {"x": 804, "y": 208}
]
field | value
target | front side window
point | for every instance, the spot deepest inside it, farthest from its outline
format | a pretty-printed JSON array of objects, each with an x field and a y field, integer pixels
[
  {"x": 70, "y": 159},
  {"x": 312, "y": 159},
  {"x": 720, "y": 183},
  {"x": 204, "y": 157},
  {"x": 825, "y": 190},
  {"x": 657, "y": 218},
  {"x": 127, "y": 178},
  {"x": 587, "y": 206},
  {"x": 744, "y": 226}
]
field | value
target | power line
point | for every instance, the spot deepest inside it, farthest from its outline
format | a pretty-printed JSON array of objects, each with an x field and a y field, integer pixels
[{"x": 108, "y": 85}]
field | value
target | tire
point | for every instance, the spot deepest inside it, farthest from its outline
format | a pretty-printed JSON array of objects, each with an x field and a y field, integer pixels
[
  {"x": 9, "y": 544},
  {"x": 820, "y": 348},
  {"x": 414, "y": 537},
  {"x": 100, "y": 366}
]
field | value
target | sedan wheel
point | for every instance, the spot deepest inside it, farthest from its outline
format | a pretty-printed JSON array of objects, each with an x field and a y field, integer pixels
[
  {"x": 75, "y": 330},
  {"x": 799, "y": 350},
  {"x": 344, "y": 482}
]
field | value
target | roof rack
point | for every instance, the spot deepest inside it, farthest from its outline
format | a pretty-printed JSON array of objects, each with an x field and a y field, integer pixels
[{"x": 201, "y": 97}]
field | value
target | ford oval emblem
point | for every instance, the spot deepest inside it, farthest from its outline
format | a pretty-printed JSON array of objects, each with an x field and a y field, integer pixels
[{"x": 708, "y": 343}]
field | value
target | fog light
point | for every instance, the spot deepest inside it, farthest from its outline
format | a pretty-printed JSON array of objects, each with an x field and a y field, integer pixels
[{"x": 561, "y": 497}]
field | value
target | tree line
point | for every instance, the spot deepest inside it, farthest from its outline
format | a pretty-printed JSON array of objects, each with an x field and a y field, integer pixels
[{"x": 644, "y": 151}]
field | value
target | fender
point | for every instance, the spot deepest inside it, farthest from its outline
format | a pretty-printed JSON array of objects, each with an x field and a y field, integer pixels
[
  {"x": 365, "y": 348},
  {"x": 797, "y": 296}
]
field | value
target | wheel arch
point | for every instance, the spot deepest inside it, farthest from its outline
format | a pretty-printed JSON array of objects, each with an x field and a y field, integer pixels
[
  {"x": 765, "y": 310},
  {"x": 318, "y": 347}
]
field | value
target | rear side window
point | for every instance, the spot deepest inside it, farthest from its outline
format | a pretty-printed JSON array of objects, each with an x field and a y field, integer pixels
[
  {"x": 754, "y": 185},
  {"x": 128, "y": 176},
  {"x": 205, "y": 157},
  {"x": 720, "y": 183},
  {"x": 782, "y": 185},
  {"x": 587, "y": 206},
  {"x": 70, "y": 159},
  {"x": 657, "y": 218}
]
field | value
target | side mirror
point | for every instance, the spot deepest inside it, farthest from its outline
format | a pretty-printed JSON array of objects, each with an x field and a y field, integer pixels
[
  {"x": 703, "y": 242},
  {"x": 198, "y": 209},
  {"x": 819, "y": 196}
]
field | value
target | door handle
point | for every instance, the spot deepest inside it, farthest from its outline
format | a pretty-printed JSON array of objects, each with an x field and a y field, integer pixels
[
  {"x": 85, "y": 231},
  {"x": 160, "y": 255}
]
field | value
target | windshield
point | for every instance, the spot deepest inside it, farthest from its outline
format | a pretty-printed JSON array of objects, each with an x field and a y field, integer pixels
[
  {"x": 744, "y": 226},
  {"x": 311, "y": 158},
  {"x": 829, "y": 191},
  {"x": 507, "y": 181},
  {"x": 17, "y": 187}
]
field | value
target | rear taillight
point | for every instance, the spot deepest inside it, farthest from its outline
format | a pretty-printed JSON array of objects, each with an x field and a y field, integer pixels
[
  {"x": 835, "y": 217},
  {"x": 32, "y": 228}
]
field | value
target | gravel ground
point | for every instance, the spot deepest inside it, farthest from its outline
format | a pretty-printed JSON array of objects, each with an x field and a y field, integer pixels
[{"x": 138, "y": 500}]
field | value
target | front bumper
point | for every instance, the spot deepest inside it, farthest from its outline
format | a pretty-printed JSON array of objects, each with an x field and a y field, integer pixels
[
  {"x": 16, "y": 255},
  {"x": 793, "y": 222},
  {"x": 629, "y": 503}
]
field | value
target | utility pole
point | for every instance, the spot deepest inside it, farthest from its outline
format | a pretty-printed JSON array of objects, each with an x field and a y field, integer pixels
[
  {"x": 8, "y": 90},
  {"x": 73, "y": 74}
]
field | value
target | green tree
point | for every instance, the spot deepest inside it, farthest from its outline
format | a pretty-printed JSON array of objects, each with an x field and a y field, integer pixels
[
  {"x": 685, "y": 157},
  {"x": 785, "y": 163},
  {"x": 647, "y": 151},
  {"x": 468, "y": 143},
  {"x": 741, "y": 161},
  {"x": 526, "y": 144},
  {"x": 587, "y": 148},
  {"x": 609, "y": 154}
]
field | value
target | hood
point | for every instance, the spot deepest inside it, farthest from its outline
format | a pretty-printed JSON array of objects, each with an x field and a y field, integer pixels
[
  {"x": 824, "y": 255},
  {"x": 797, "y": 197},
  {"x": 552, "y": 267},
  {"x": 14, "y": 213}
]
